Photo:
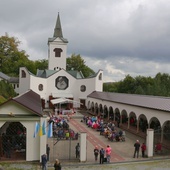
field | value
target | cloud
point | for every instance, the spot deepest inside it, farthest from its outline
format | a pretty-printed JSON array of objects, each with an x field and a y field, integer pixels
[{"x": 121, "y": 36}]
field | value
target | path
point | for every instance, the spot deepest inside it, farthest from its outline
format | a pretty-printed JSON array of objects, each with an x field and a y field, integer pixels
[{"x": 92, "y": 137}]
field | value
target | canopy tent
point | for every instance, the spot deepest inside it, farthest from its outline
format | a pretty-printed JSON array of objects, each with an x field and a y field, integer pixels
[
  {"x": 63, "y": 100},
  {"x": 62, "y": 95}
]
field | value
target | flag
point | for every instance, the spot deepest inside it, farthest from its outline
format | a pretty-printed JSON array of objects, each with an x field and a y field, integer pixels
[
  {"x": 43, "y": 128},
  {"x": 50, "y": 130},
  {"x": 37, "y": 127},
  {"x": 40, "y": 131}
]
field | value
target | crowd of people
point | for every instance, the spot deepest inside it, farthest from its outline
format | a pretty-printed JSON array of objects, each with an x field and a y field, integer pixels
[
  {"x": 61, "y": 129},
  {"x": 104, "y": 154},
  {"x": 13, "y": 140},
  {"x": 107, "y": 129}
]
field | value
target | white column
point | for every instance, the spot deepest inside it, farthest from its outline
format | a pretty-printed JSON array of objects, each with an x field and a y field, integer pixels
[
  {"x": 83, "y": 147},
  {"x": 128, "y": 122},
  {"x": 43, "y": 139},
  {"x": 149, "y": 142}
]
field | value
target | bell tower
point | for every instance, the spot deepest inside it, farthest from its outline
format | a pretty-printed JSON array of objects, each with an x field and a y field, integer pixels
[{"x": 57, "y": 48}]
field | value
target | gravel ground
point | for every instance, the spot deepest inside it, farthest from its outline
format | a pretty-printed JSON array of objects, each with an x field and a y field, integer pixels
[{"x": 163, "y": 164}]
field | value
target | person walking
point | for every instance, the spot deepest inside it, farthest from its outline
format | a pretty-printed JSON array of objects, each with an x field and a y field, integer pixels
[
  {"x": 96, "y": 153},
  {"x": 57, "y": 165},
  {"x": 102, "y": 153},
  {"x": 137, "y": 147},
  {"x": 44, "y": 162},
  {"x": 143, "y": 148},
  {"x": 108, "y": 153}
]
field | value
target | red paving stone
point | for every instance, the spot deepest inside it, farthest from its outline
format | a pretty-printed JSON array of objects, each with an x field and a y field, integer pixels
[{"x": 93, "y": 139}]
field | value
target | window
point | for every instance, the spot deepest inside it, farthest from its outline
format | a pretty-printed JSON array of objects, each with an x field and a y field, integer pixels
[
  {"x": 23, "y": 74},
  {"x": 100, "y": 76},
  {"x": 40, "y": 87},
  {"x": 83, "y": 88},
  {"x": 58, "y": 52}
]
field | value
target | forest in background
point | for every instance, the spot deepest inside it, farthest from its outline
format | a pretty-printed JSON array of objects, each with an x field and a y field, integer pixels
[{"x": 156, "y": 86}]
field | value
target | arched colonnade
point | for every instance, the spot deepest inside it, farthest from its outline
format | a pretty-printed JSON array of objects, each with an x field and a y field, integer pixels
[{"x": 133, "y": 118}]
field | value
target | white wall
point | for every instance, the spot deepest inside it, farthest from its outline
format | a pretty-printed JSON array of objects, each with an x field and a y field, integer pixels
[
  {"x": 34, "y": 84},
  {"x": 32, "y": 144},
  {"x": 57, "y": 61},
  {"x": 24, "y": 83}
]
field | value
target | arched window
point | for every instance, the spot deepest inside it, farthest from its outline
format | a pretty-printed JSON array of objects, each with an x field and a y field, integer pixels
[
  {"x": 58, "y": 52},
  {"x": 100, "y": 76},
  {"x": 23, "y": 74}
]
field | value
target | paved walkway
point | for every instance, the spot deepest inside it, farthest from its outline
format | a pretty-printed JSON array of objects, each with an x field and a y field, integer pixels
[
  {"x": 121, "y": 158},
  {"x": 122, "y": 152}
]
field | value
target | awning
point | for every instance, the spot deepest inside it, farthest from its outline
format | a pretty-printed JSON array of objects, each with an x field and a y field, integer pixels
[
  {"x": 62, "y": 95},
  {"x": 83, "y": 98},
  {"x": 63, "y": 100}
]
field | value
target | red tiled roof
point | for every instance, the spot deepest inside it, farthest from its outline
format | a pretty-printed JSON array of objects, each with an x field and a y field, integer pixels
[
  {"x": 152, "y": 102},
  {"x": 30, "y": 100}
]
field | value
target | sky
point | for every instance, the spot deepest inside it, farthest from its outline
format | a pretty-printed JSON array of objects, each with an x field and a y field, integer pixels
[{"x": 120, "y": 37}]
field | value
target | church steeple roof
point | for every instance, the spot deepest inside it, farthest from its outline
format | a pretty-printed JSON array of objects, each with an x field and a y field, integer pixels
[{"x": 58, "y": 29}]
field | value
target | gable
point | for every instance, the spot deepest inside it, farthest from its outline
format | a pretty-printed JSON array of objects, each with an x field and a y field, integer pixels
[
  {"x": 14, "y": 109},
  {"x": 29, "y": 101},
  {"x": 58, "y": 39}
]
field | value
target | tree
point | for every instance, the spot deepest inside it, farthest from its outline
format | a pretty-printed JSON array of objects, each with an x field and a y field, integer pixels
[
  {"x": 11, "y": 58},
  {"x": 110, "y": 87},
  {"x": 127, "y": 85},
  {"x": 41, "y": 64},
  {"x": 2, "y": 99},
  {"x": 6, "y": 90},
  {"x": 75, "y": 62}
]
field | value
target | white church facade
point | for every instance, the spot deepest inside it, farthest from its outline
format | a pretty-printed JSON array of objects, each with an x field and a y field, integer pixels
[{"x": 56, "y": 82}]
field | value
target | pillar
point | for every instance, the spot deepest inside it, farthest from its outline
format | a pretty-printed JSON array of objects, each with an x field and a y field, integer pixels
[
  {"x": 128, "y": 122},
  {"x": 43, "y": 138},
  {"x": 138, "y": 126},
  {"x": 83, "y": 147},
  {"x": 149, "y": 142}
]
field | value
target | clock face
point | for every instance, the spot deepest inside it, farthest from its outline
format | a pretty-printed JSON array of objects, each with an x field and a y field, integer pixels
[{"x": 61, "y": 82}]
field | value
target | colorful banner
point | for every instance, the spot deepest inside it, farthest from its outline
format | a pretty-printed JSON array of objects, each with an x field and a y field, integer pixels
[
  {"x": 50, "y": 130},
  {"x": 37, "y": 127}
]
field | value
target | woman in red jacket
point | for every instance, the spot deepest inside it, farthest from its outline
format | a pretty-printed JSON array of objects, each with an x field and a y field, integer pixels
[{"x": 108, "y": 153}]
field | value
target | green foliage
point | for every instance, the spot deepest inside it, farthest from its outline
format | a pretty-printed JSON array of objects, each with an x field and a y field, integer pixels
[
  {"x": 6, "y": 90},
  {"x": 2, "y": 99},
  {"x": 11, "y": 58},
  {"x": 76, "y": 62},
  {"x": 157, "y": 86},
  {"x": 41, "y": 64}
]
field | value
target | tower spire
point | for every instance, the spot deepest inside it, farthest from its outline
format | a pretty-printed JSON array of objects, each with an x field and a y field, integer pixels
[{"x": 58, "y": 29}]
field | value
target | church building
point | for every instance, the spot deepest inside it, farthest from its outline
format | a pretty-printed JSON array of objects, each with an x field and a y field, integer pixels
[{"x": 57, "y": 82}]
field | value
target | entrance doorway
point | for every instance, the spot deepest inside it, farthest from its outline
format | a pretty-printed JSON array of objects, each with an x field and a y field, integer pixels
[{"x": 12, "y": 141}]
